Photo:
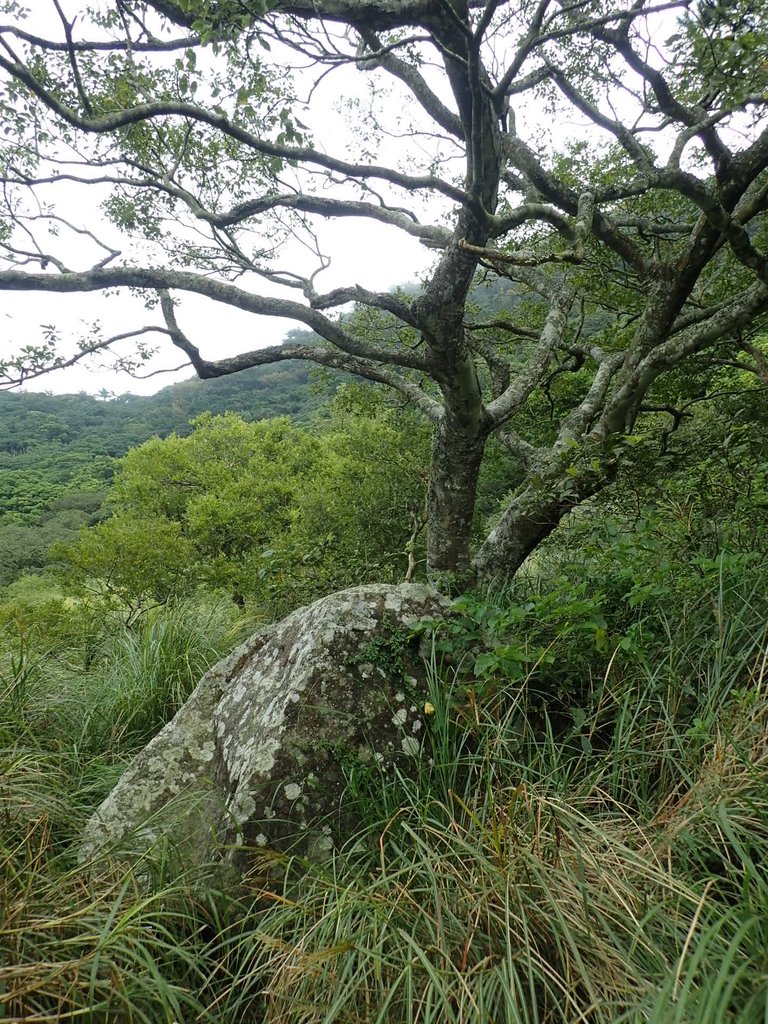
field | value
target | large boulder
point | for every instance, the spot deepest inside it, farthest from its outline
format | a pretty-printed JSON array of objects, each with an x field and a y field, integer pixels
[{"x": 258, "y": 754}]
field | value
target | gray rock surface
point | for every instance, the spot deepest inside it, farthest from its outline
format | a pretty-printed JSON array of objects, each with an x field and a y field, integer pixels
[{"x": 256, "y": 755}]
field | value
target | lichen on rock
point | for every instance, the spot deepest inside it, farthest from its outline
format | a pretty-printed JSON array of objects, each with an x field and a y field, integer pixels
[{"x": 257, "y": 755}]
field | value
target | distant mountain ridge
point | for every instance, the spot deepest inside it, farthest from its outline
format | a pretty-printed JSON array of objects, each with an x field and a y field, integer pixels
[
  {"x": 58, "y": 453},
  {"x": 113, "y": 425}
]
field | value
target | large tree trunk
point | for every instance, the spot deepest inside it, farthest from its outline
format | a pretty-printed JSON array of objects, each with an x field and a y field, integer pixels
[
  {"x": 456, "y": 460},
  {"x": 457, "y": 452},
  {"x": 535, "y": 511}
]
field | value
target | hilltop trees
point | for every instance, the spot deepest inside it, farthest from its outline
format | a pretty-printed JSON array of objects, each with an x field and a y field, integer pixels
[
  {"x": 633, "y": 233},
  {"x": 264, "y": 511}
]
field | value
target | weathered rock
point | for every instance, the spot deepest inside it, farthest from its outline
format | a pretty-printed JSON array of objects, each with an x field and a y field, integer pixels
[{"x": 256, "y": 756}]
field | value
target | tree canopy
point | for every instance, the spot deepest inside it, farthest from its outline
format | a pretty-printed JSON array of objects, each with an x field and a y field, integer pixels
[
  {"x": 608, "y": 158},
  {"x": 266, "y": 511}
]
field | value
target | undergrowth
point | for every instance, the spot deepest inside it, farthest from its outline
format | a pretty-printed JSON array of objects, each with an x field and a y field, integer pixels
[{"x": 584, "y": 840}]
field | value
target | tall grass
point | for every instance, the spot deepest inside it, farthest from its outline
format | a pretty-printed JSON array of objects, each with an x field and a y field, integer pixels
[
  {"x": 122, "y": 684},
  {"x": 603, "y": 865},
  {"x": 527, "y": 875},
  {"x": 95, "y": 944},
  {"x": 148, "y": 672}
]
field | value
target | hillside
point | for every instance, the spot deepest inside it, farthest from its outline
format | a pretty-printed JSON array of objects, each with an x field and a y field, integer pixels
[{"x": 58, "y": 452}]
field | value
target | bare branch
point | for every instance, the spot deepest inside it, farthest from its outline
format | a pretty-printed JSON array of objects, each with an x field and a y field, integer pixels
[
  {"x": 27, "y": 373},
  {"x": 518, "y": 446},
  {"x": 498, "y": 367},
  {"x": 567, "y": 200},
  {"x": 668, "y": 104},
  {"x": 529, "y": 258},
  {"x": 636, "y": 152},
  {"x": 380, "y": 300},
  {"x": 73, "y": 59},
  {"x": 319, "y": 205},
  {"x": 502, "y": 408},
  {"x": 101, "y": 45},
  {"x": 100, "y": 279},
  {"x": 504, "y": 325},
  {"x": 348, "y": 363}
]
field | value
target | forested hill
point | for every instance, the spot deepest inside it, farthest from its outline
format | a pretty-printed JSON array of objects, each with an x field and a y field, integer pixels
[
  {"x": 31, "y": 421},
  {"x": 58, "y": 452}
]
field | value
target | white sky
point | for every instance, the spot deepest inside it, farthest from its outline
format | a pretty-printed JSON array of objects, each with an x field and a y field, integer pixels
[{"x": 361, "y": 252}]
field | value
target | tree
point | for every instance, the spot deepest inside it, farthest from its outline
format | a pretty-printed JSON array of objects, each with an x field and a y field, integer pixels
[
  {"x": 137, "y": 563},
  {"x": 227, "y": 490},
  {"x": 265, "y": 512},
  {"x": 636, "y": 247},
  {"x": 360, "y": 516}
]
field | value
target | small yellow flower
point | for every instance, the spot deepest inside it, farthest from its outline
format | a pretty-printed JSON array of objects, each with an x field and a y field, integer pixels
[{"x": 429, "y": 709}]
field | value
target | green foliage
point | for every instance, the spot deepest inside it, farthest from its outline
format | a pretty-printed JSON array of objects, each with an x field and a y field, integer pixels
[
  {"x": 357, "y": 515},
  {"x": 521, "y": 875},
  {"x": 58, "y": 452},
  {"x": 622, "y": 289},
  {"x": 722, "y": 50},
  {"x": 544, "y": 638},
  {"x": 134, "y": 562},
  {"x": 585, "y": 839},
  {"x": 23, "y": 497},
  {"x": 23, "y": 549},
  {"x": 265, "y": 511},
  {"x": 678, "y": 519},
  {"x": 601, "y": 860},
  {"x": 211, "y": 18},
  {"x": 146, "y": 673},
  {"x": 390, "y": 653},
  {"x": 98, "y": 945},
  {"x": 76, "y": 675},
  {"x": 228, "y": 490}
]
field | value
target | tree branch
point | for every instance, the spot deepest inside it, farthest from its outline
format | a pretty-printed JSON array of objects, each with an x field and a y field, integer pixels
[
  {"x": 640, "y": 157},
  {"x": 100, "y": 45},
  {"x": 160, "y": 278},
  {"x": 114, "y": 120},
  {"x": 415, "y": 82},
  {"x": 625, "y": 403},
  {"x": 360, "y": 366},
  {"x": 668, "y": 104},
  {"x": 502, "y": 408}
]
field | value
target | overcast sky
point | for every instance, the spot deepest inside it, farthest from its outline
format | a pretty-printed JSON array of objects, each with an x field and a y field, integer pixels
[{"x": 361, "y": 251}]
